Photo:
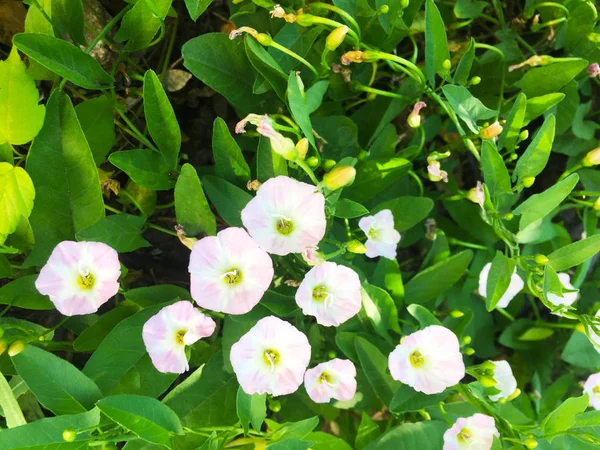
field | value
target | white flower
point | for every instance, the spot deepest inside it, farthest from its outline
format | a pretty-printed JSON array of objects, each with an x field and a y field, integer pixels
[
  {"x": 471, "y": 433},
  {"x": 505, "y": 381},
  {"x": 515, "y": 286},
  {"x": 568, "y": 298},
  {"x": 428, "y": 360},
  {"x": 331, "y": 293},
  {"x": 332, "y": 379},
  {"x": 382, "y": 236},
  {"x": 592, "y": 388},
  {"x": 272, "y": 357}
]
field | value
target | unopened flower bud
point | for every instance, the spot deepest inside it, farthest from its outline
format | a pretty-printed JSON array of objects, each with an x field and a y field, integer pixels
[
  {"x": 530, "y": 444},
  {"x": 339, "y": 177},
  {"x": 514, "y": 395},
  {"x": 541, "y": 259},
  {"x": 357, "y": 247},
  {"x": 508, "y": 216},
  {"x": 383, "y": 9},
  {"x": 487, "y": 381},
  {"x": 69, "y": 435},
  {"x": 597, "y": 204},
  {"x": 328, "y": 164},
  {"x": 528, "y": 181},
  {"x": 523, "y": 135},
  {"x": 362, "y": 155},
  {"x": 592, "y": 158},
  {"x": 492, "y": 131},
  {"x": 274, "y": 405},
  {"x": 446, "y": 65},
  {"x": 336, "y": 37},
  {"x": 414, "y": 119},
  {"x": 305, "y": 20},
  {"x": 593, "y": 70},
  {"x": 16, "y": 348},
  {"x": 475, "y": 81},
  {"x": 404, "y": 3},
  {"x": 312, "y": 162},
  {"x": 456, "y": 314},
  {"x": 354, "y": 56},
  {"x": 302, "y": 147},
  {"x": 467, "y": 340},
  {"x": 264, "y": 39},
  {"x": 469, "y": 351}
]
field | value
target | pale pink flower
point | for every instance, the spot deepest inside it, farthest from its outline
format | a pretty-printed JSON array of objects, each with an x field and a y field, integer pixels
[
  {"x": 279, "y": 143},
  {"x": 505, "y": 381},
  {"x": 277, "y": 11},
  {"x": 79, "y": 277},
  {"x": 592, "y": 389},
  {"x": 286, "y": 216},
  {"x": 332, "y": 379},
  {"x": 254, "y": 119},
  {"x": 595, "y": 338},
  {"x": 568, "y": 298},
  {"x": 515, "y": 286},
  {"x": 312, "y": 256},
  {"x": 428, "y": 360},
  {"x": 229, "y": 272},
  {"x": 331, "y": 293},
  {"x": 435, "y": 172},
  {"x": 593, "y": 70},
  {"x": 471, "y": 433},
  {"x": 414, "y": 119},
  {"x": 272, "y": 357},
  {"x": 167, "y": 333},
  {"x": 382, "y": 236}
]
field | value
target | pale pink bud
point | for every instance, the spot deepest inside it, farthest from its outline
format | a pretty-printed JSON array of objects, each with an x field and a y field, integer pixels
[
  {"x": 414, "y": 119},
  {"x": 593, "y": 70}
]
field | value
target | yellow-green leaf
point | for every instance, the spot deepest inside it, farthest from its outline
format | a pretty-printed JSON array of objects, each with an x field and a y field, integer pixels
[{"x": 16, "y": 198}]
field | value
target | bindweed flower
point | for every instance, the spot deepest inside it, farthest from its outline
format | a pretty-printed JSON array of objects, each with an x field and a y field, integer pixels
[
  {"x": 279, "y": 13},
  {"x": 312, "y": 256},
  {"x": 254, "y": 119},
  {"x": 593, "y": 70},
  {"x": 477, "y": 195},
  {"x": 332, "y": 379},
  {"x": 279, "y": 143},
  {"x": 471, "y": 433},
  {"x": 505, "y": 381},
  {"x": 167, "y": 333},
  {"x": 383, "y": 238},
  {"x": 568, "y": 298},
  {"x": 79, "y": 277},
  {"x": 229, "y": 272},
  {"x": 435, "y": 172},
  {"x": 592, "y": 389},
  {"x": 515, "y": 286},
  {"x": 272, "y": 357},
  {"x": 286, "y": 216},
  {"x": 414, "y": 119},
  {"x": 331, "y": 293},
  {"x": 428, "y": 360}
]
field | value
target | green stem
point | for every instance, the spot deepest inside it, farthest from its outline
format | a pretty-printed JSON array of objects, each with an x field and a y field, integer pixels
[
  {"x": 308, "y": 171},
  {"x": 415, "y": 177},
  {"x": 499, "y": 12},
  {"x": 403, "y": 62},
  {"x": 545, "y": 324},
  {"x": 505, "y": 314},
  {"x": 138, "y": 134},
  {"x": 107, "y": 28},
  {"x": 341, "y": 13},
  {"x": 132, "y": 200},
  {"x": 362, "y": 88},
  {"x": 55, "y": 327},
  {"x": 10, "y": 406},
  {"x": 335, "y": 24},
  {"x": 453, "y": 241},
  {"x": 159, "y": 228},
  {"x": 296, "y": 56},
  {"x": 170, "y": 46},
  {"x": 110, "y": 208},
  {"x": 563, "y": 8}
]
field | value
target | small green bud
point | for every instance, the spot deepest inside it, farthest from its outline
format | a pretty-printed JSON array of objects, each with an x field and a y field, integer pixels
[
  {"x": 312, "y": 162},
  {"x": 264, "y": 39},
  {"x": 530, "y": 443},
  {"x": 16, "y": 348},
  {"x": 404, "y": 3},
  {"x": 69, "y": 435},
  {"x": 274, "y": 405},
  {"x": 331, "y": 354},
  {"x": 357, "y": 247},
  {"x": 523, "y": 135},
  {"x": 305, "y": 20},
  {"x": 508, "y": 216},
  {"x": 446, "y": 65},
  {"x": 456, "y": 314},
  {"x": 362, "y": 155},
  {"x": 328, "y": 164},
  {"x": 475, "y": 81},
  {"x": 541, "y": 259},
  {"x": 339, "y": 177},
  {"x": 383, "y": 9},
  {"x": 467, "y": 340},
  {"x": 487, "y": 381},
  {"x": 469, "y": 351},
  {"x": 528, "y": 181}
]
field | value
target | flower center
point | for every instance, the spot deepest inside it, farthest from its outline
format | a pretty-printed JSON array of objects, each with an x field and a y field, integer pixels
[
  {"x": 373, "y": 233},
  {"x": 284, "y": 225},
  {"x": 319, "y": 293},
  {"x": 596, "y": 390},
  {"x": 325, "y": 378},
  {"x": 179, "y": 337},
  {"x": 271, "y": 358},
  {"x": 234, "y": 276},
  {"x": 416, "y": 359},
  {"x": 464, "y": 435},
  {"x": 85, "y": 280}
]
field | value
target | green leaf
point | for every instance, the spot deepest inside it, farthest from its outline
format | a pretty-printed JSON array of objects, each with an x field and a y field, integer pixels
[
  {"x": 347, "y": 209},
  {"x": 57, "y": 384},
  {"x": 191, "y": 207},
  {"x": 296, "y": 430},
  {"x": 538, "y": 106},
  {"x": 123, "y": 232},
  {"x": 266, "y": 66},
  {"x": 498, "y": 279},
  {"x": 298, "y": 106},
  {"x": 62, "y": 168},
  {"x": 563, "y": 417},
  {"x": 64, "y": 59},
  {"x": 407, "y": 211},
  {"x": 436, "y": 43},
  {"x": 375, "y": 366},
  {"x": 229, "y": 200},
  {"x": 551, "y": 78},
  {"x": 298, "y": 39},
  {"x": 230, "y": 163},
  {"x": 47, "y": 434},
  {"x": 368, "y": 431},
  {"x": 538, "y": 206},
  {"x": 574, "y": 254},
  {"x": 582, "y": 20},
  {"x": 514, "y": 123},
  {"x": 411, "y": 436},
  {"x": 251, "y": 409},
  {"x": 141, "y": 23},
  {"x": 222, "y": 64},
  {"x": 315, "y": 94},
  {"x": 291, "y": 444},
  {"x": 467, "y": 9},
  {"x": 495, "y": 173},
  {"x": 156, "y": 295},
  {"x": 22, "y": 293},
  {"x": 67, "y": 16},
  {"x": 91, "y": 337},
  {"x": 16, "y": 198},
  {"x": 146, "y": 167},
  {"x": 207, "y": 398},
  {"x": 423, "y": 316},
  {"x": 268, "y": 163},
  {"x": 376, "y": 176},
  {"x": 122, "y": 356},
  {"x": 532, "y": 162},
  {"x": 326, "y": 441},
  {"x": 146, "y": 417},
  {"x": 437, "y": 279},
  {"x": 536, "y": 334},
  {"x": 407, "y": 399},
  {"x": 380, "y": 309},
  {"x": 467, "y": 107},
  {"x": 96, "y": 119},
  {"x": 463, "y": 71},
  {"x": 580, "y": 352},
  {"x": 160, "y": 119},
  {"x": 197, "y": 7},
  {"x": 21, "y": 117}
]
